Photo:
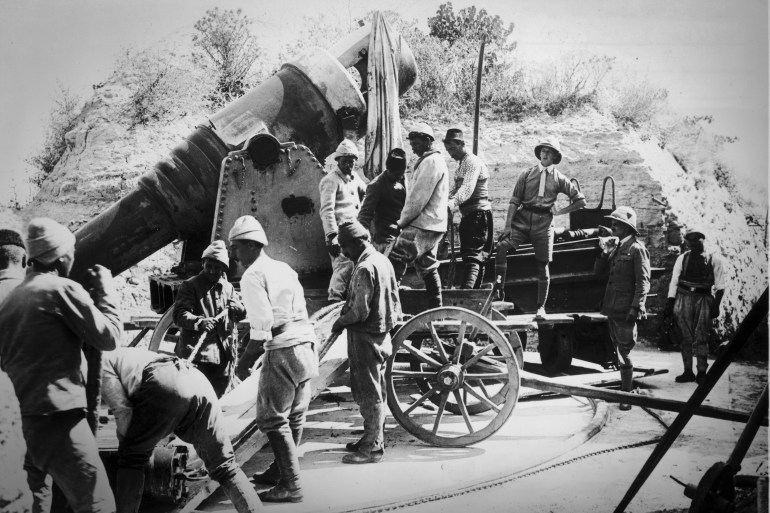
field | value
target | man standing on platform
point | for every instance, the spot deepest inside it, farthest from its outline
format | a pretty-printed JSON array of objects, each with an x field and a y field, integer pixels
[
  {"x": 694, "y": 295},
  {"x": 627, "y": 262},
  {"x": 368, "y": 315},
  {"x": 341, "y": 193},
  {"x": 384, "y": 200},
  {"x": 530, "y": 216},
  {"x": 208, "y": 306},
  {"x": 275, "y": 306},
  {"x": 423, "y": 220},
  {"x": 470, "y": 194}
]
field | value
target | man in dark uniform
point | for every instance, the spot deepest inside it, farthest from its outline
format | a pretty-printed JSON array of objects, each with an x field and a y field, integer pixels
[
  {"x": 369, "y": 314},
  {"x": 470, "y": 194},
  {"x": 384, "y": 200},
  {"x": 531, "y": 212},
  {"x": 627, "y": 262},
  {"x": 46, "y": 321},
  {"x": 694, "y": 295},
  {"x": 208, "y": 306}
]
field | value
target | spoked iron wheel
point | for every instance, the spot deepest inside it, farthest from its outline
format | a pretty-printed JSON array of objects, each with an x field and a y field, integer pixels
[{"x": 464, "y": 360}]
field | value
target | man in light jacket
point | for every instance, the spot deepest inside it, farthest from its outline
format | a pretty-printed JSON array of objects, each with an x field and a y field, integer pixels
[
  {"x": 423, "y": 220},
  {"x": 341, "y": 193}
]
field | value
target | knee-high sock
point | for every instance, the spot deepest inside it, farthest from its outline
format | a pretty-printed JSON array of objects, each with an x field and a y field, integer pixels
[{"x": 543, "y": 281}]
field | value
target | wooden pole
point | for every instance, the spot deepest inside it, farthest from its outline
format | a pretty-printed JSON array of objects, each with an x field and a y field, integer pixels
[{"x": 478, "y": 100}]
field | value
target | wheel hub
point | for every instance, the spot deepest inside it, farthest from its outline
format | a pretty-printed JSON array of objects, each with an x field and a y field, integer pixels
[{"x": 450, "y": 377}]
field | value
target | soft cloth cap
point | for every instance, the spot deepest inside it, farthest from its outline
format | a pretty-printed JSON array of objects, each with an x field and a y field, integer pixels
[
  {"x": 247, "y": 228},
  {"x": 10, "y": 238},
  {"x": 48, "y": 240},
  {"x": 217, "y": 251},
  {"x": 346, "y": 149},
  {"x": 351, "y": 230}
]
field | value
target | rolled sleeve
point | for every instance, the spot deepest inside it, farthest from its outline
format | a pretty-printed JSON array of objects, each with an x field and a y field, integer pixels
[
  {"x": 518, "y": 190},
  {"x": 569, "y": 189}
]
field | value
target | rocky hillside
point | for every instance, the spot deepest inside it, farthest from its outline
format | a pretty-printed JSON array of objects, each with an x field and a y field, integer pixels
[{"x": 105, "y": 158}]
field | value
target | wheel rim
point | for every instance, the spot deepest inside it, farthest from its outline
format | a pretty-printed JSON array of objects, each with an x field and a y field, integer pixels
[{"x": 480, "y": 368}]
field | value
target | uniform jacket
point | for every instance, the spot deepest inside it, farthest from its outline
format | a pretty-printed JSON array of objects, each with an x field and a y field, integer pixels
[
  {"x": 628, "y": 270},
  {"x": 199, "y": 298},
  {"x": 340, "y": 199},
  {"x": 373, "y": 304},
  {"x": 382, "y": 207},
  {"x": 427, "y": 195},
  {"x": 45, "y": 322},
  {"x": 528, "y": 185}
]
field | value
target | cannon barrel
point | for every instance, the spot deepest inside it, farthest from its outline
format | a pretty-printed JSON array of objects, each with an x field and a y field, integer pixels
[{"x": 303, "y": 103}]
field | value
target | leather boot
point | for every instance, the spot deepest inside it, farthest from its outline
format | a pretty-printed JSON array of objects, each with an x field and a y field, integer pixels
[
  {"x": 129, "y": 487},
  {"x": 241, "y": 493},
  {"x": 433, "y": 289},
  {"x": 288, "y": 488},
  {"x": 272, "y": 475},
  {"x": 687, "y": 376},
  {"x": 626, "y": 384}
]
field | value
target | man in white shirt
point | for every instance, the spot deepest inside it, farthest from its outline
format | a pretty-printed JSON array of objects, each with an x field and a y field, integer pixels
[
  {"x": 153, "y": 395},
  {"x": 696, "y": 290},
  {"x": 275, "y": 308},
  {"x": 423, "y": 220},
  {"x": 341, "y": 192}
]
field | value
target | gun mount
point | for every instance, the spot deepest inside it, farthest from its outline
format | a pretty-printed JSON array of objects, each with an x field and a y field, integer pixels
[{"x": 262, "y": 155}]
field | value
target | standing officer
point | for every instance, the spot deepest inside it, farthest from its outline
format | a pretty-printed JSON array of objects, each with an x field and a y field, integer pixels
[
  {"x": 368, "y": 315},
  {"x": 208, "y": 306},
  {"x": 275, "y": 306},
  {"x": 423, "y": 220},
  {"x": 627, "y": 262},
  {"x": 694, "y": 295},
  {"x": 531, "y": 212},
  {"x": 45, "y": 323},
  {"x": 471, "y": 195},
  {"x": 384, "y": 200},
  {"x": 154, "y": 395},
  {"x": 341, "y": 194}
]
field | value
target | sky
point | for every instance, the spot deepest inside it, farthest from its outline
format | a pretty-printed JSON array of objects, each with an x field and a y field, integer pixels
[{"x": 711, "y": 55}]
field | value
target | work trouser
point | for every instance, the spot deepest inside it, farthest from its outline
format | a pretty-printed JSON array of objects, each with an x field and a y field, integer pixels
[
  {"x": 62, "y": 445},
  {"x": 284, "y": 388},
  {"x": 367, "y": 353},
  {"x": 342, "y": 270},
  {"x": 623, "y": 335},
  {"x": 175, "y": 397},
  {"x": 692, "y": 312},
  {"x": 475, "y": 245}
]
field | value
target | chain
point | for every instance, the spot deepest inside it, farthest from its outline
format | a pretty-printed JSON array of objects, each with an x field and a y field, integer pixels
[{"x": 504, "y": 480}]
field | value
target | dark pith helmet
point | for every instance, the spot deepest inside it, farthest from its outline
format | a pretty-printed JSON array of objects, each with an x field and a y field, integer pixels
[
  {"x": 625, "y": 215},
  {"x": 549, "y": 143},
  {"x": 454, "y": 134}
]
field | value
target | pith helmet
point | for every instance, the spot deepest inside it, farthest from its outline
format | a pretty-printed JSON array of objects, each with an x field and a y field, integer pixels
[
  {"x": 625, "y": 215},
  {"x": 549, "y": 143},
  {"x": 422, "y": 130},
  {"x": 346, "y": 149},
  {"x": 695, "y": 231},
  {"x": 247, "y": 228}
]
